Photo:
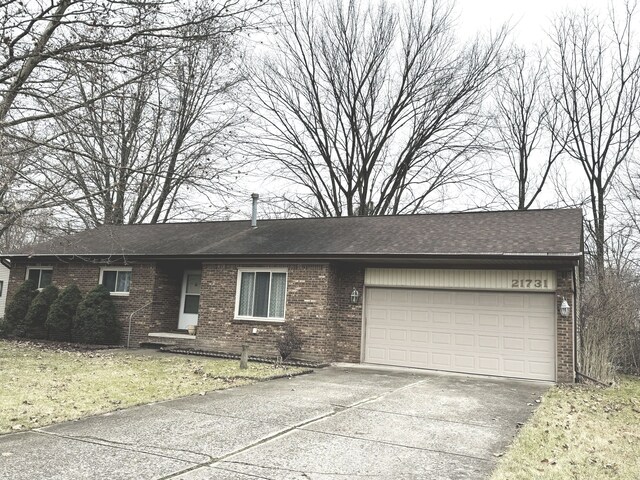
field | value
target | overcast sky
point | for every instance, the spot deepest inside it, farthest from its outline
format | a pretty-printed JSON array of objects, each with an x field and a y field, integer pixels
[{"x": 529, "y": 18}]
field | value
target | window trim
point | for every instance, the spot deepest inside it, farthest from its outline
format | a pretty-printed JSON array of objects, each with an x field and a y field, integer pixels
[
  {"x": 116, "y": 269},
  {"x": 237, "y": 316},
  {"x": 39, "y": 267}
]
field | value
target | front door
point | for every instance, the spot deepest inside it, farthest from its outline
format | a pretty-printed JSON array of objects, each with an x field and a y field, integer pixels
[{"x": 190, "y": 299}]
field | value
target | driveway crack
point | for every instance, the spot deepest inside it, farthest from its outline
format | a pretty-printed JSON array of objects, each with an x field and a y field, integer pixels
[
  {"x": 297, "y": 426},
  {"x": 137, "y": 448}
]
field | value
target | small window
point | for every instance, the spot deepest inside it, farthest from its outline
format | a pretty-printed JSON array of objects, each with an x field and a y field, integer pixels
[
  {"x": 41, "y": 276},
  {"x": 116, "y": 280},
  {"x": 261, "y": 294}
]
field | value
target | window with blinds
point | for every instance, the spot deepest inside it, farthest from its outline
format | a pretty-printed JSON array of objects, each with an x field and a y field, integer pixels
[{"x": 261, "y": 294}]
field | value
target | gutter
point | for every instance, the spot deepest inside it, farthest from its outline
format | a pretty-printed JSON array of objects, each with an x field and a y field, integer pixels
[
  {"x": 305, "y": 256},
  {"x": 5, "y": 261}
]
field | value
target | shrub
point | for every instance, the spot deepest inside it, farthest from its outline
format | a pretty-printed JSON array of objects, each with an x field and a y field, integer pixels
[
  {"x": 609, "y": 326},
  {"x": 17, "y": 308},
  {"x": 59, "y": 322},
  {"x": 288, "y": 342},
  {"x": 95, "y": 321},
  {"x": 38, "y": 310}
]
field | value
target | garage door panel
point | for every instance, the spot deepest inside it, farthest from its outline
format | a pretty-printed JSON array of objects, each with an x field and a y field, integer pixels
[
  {"x": 514, "y": 367},
  {"x": 539, "y": 324},
  {"x": 441, "y": 360},
  {"x": 513, "y": 300},
  {"x": 397, "y": 316},
  {"x": 396, "y": 355},
  {"x": 488, "y": 342},
  {"x": 489, "y": 365},
  {"x": 418, "y": 358},
  {"x": 418, "y": 336},
  {"x": 488, "y": 320},
  {"x": 542, "y": 302},
  {"x": 374, "y": 333},
  {"x": 440, "y": 338},
  {"x": 541, "y": 368},
  {"x": 465, "y": 298},
  {"x": 441, "y": 318},
  {"x": 376, "y": 354},
  {"x": 464, "y": 340},
  {"x": 396, "y": 335},
  {"x": 465, "y": 362},
  {"x": 541, "y": 345},
  {"x": 513, "y": 322},
  {"x": 513, "y": 344},
  {"x": 464, "y": 318},
  {"x": 491, "y": 333},
  {"x": 488, "y": 300},
  {"x": 442, "y": 298}
]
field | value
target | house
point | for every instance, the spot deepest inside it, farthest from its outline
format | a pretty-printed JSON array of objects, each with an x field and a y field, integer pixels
[
  {"x": 4, "y": 282},
  {"x": 464, "y": 292}
]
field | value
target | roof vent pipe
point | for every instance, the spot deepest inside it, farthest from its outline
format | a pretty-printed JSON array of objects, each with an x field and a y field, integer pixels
[{"x": 254, "y": 210}]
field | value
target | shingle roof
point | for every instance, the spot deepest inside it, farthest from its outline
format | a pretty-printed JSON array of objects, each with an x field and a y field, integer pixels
[{"x": 533, "y": 232}]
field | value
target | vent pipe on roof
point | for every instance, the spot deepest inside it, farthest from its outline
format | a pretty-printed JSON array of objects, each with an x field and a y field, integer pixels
[{"x": 254, "y": 210}]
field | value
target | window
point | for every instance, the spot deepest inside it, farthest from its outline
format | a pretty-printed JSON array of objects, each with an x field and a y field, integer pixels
[
  {"x": 117, "y": 280},
  {"x": 1, "y": 287},
  {"x": 261, "y": 294},
  {"x": 41, "y": 276}
]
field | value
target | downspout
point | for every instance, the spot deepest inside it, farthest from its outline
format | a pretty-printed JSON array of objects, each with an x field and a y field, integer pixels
[
  {"x": 131, "y": 318},
  {"x": 575, "y": 326}
]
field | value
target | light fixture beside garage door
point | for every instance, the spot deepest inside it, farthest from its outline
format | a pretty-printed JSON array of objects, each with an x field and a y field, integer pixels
[
  {"x": 564, "y": 307},
  {"x": 354, "y": 296}
]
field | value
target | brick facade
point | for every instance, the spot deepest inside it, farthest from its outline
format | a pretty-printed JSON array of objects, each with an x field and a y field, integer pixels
[
  {"x": 308, "y": 307},
  {"x": 318, "y": 304},
  {"x": 565, "y": 367}
]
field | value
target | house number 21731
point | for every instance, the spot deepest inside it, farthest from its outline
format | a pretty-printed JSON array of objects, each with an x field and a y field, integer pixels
[{"x": 528, "y": 283}]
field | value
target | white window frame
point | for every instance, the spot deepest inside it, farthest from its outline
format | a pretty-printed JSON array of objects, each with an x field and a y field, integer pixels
[
  {"x": 39, "y": 267},
  {"x": 116, "y": 269},
  {"x": 237, "y": 316}
]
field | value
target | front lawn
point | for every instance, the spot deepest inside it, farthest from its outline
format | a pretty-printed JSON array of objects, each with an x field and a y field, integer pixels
[
  {"x": 579, "y": 432},
  {"x": 41, "y": 386}
]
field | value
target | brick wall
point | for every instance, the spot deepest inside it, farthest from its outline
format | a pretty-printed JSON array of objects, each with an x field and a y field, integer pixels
[
  {"x": 307, "y": 307},
  {"x": 348, "y": 316},
  {"x": 87, "y": 275},
  {"x": 564, "y": 329}
]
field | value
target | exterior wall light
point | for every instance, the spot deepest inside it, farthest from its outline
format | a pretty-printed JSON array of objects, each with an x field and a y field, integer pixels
[
  {"x": 564, "y": 308},
  {"x": 354, "y": 296}
]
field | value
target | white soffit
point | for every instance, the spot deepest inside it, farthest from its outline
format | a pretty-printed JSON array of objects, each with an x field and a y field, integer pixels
[{"x": 509, "y": 280}]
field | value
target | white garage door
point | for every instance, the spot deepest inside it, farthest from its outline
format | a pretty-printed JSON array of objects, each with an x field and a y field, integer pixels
[{"x": 489, "y": 333}]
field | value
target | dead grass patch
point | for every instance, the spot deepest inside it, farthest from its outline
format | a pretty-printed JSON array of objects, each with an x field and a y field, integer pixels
[
  {"x": 41, "y": 386},
  {"x": 579, "y": 432}
]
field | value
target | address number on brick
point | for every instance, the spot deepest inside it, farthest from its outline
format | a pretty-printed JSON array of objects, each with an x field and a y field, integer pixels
[{"x": 529, "y": 283}]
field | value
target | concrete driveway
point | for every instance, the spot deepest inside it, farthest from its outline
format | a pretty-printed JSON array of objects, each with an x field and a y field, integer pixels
[{"x": 336, "y": 423}]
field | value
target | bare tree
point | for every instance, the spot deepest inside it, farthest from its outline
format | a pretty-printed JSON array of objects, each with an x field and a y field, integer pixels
[
  {"x": 370, "y": 111},
  {"x": 43, "y": 46},
  {"x": 527, "y": 128},
  {"x": 596, "y": 71},
  {"x": 37, "y": 35},
  {"x": 142, "y": 148}
]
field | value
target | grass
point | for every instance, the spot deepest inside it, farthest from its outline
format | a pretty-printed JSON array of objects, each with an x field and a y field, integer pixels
[
  {"x": 579, "y": 432},
  {"x": 41, "y": 386}
]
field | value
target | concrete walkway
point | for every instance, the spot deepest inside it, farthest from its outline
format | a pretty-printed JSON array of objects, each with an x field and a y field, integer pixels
[{"x": 336, "y": 423}]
